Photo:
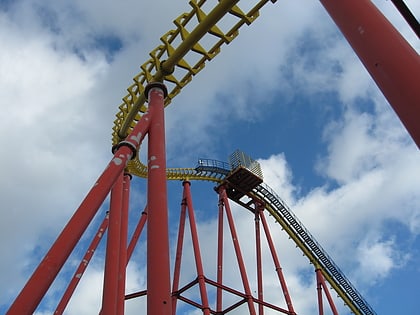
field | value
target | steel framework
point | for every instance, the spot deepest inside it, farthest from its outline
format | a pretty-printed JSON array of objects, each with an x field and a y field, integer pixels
[{"x": 380, "y": 48}]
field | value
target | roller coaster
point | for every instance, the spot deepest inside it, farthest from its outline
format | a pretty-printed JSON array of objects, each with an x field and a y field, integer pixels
[{"x": 197, "y": 38}]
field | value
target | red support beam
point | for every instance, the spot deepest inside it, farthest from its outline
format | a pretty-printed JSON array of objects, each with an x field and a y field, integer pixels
[
  {"x": 178, "y": 255},
  {"x": 123, "y": 244},
  {"x": 158, "y": 273},
  {"x": 259, "y": 262},
  {"x": 223, "y": 197},
  {"x": 136, "y": 234},
  {"x": 34, "y": 290},
  {"x": 112, "y": 261},
  {"x": 82, "y": 267},
  {"x": 393, "y": 64},
  {"x": 320, "y": 301},
  {"x": 276, "y": 261},
  {"x": 196, "y": 248},
  {"x": 321, "y": 284},
  {"x": 219, "y": 290}
]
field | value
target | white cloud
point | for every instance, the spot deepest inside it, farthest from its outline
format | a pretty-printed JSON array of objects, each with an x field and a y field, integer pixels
[
  {"x": 377, "y": 258},
  {"x": 47, "y": 128},
  {"x": 88, "y": 298},
  {"x": 348, "y": 162},
  {"x": 278, "y": 176}
]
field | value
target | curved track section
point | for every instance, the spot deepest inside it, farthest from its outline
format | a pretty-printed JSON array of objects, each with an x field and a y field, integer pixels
[{"x": 182, "y": 54}]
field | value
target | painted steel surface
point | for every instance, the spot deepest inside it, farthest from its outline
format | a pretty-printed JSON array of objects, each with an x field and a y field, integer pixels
[
  {"x": 390, "y": 60},
  {"x": 158, "y": 272}
]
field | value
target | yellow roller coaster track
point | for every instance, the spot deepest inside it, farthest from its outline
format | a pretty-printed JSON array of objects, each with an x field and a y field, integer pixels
[{"x": 183, "y": 53}]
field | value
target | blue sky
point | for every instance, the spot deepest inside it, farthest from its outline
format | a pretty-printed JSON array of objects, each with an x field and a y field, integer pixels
[{"x": 288, "y": 91}]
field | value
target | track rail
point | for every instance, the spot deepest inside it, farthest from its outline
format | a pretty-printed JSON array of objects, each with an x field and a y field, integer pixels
[{"x": 313, "y": 250}]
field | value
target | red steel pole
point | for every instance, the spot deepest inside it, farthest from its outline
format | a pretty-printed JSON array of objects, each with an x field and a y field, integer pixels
[
  {"x": 136, "y": 234},
  {"x": 219, "y": 291},
  {"x": 110, "y": 291},
  {"x": 259, "y": 261},
  {"x": 320, "y": 280},
  {"x": 244, "y": 277},
  {"x": 393, "y": 64},
  {"x": 82, "y": 267},
  {"x": 158, "y": 273},
  {"x": 36, "y": 287},
  {"x": 319, "y": 291},
  {"x": 123, "y": 244},
  {"x": 196, "y": 247},
  {"x": 178, "y": 256},
  {"x": 277, "y": 263}
]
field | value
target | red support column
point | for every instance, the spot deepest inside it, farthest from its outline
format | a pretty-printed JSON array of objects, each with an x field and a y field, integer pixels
[
  {"x": 123, "y": 244},
  {"x": 36, "y": 287},
  {"x": 196, "y": 248},
  {"x": 259, "y": 261},
  {"x": 178, "y": 256},
  {"x": 158, "y": 274},
  {"x": 136, "y": 234},
  {"x": 321, "y": 281},
  {"x": 110, "y": 291},
  {"x": 319, "y": 292},
  {"x": 276, "y": 261},
  {"x": 82, "y": 267},
  {"x": 219, "y": 291},
  {"x": 391, "y": 61},
  {"x": 245, "y": 282}
]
